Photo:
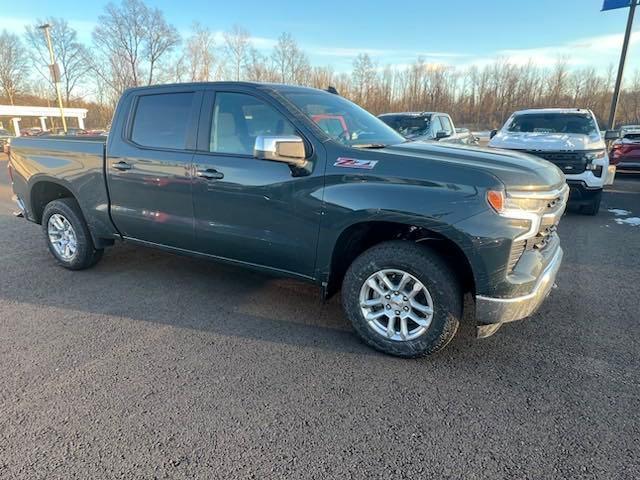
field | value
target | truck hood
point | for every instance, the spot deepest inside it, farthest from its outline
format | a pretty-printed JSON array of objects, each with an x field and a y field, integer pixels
[
  {"x": 547, "y": 141},
  {"x": 515, "y": 170}
]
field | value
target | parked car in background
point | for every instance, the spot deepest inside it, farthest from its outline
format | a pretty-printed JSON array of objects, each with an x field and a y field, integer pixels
[
  {"x": 568, "y": 138},
  {"x": 71, "y": 131},
  {"x": 303, "y": 183},
  {"x": 5, "y": 139},
  {"x": 97, "y": 132},
  {"x": 473, "y": 139},
  {"x": 31, "y": 132},
  {"x": 434, "y": 126},
  {"x": 625, "y": 152}
]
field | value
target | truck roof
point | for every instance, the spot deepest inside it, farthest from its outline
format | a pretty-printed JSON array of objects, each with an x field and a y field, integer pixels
[
  {"x": 412, "y": 114},
  {"x": 553, "y": 110},
  {"x": 263, "y": 85}
]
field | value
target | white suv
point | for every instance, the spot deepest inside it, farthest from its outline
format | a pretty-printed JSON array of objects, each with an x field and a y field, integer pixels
[{"x": 568, "y": 138}]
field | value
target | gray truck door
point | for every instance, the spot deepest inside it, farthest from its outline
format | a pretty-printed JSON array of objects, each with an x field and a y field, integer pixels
[{"x": 150, "y": 170}]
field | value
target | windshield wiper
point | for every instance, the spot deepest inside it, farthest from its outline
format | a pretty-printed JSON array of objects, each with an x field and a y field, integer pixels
[{"x": 369, "y": 145}]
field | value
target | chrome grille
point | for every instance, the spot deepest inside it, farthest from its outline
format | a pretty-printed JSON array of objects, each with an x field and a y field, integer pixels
[
  {"x": 517, "y": 249},
  {"x": 547, "y": 230}
]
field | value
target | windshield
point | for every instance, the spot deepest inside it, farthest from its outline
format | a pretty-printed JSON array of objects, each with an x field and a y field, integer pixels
[
  {"x": 343, "y": 120},
  {"x": 581, "y": 123},
  {"x": 408, "y": 126}
]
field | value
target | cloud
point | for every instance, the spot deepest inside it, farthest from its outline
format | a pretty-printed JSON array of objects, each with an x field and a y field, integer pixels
[
  {"x": 598, "y": 51},
  {"x": 17, "y": 25}
]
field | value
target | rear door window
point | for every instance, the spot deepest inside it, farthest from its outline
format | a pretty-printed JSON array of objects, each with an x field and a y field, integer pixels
[{"x": 162, "y": 120}]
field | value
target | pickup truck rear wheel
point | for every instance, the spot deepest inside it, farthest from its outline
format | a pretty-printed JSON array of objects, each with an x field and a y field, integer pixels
[
  {"x": 402, "y": 299},
  {"x": 68, "y": 236}
]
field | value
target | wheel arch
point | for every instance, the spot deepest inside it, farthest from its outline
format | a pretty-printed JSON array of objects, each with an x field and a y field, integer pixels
[
  {"x": 358, "y": 237},
  {"x": 44, "y": 191}
]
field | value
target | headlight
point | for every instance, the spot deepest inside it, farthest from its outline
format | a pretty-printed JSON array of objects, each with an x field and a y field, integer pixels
[
  {"x": 522, "y": 209},
  {"x": 592, "y": 155},
  {"x": 505, "y": 203}
]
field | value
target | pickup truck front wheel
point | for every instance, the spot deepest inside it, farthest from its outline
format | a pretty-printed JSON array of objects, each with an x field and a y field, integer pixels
[
  {"x": 402, "y": 299},
  {"x": 68, "y": 236}
]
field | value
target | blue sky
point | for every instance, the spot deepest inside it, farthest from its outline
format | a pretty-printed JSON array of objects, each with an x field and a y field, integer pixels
[{"x": 332, "y": 32}]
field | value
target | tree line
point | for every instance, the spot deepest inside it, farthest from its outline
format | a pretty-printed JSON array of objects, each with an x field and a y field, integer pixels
[{"x": 134, "y": 45}]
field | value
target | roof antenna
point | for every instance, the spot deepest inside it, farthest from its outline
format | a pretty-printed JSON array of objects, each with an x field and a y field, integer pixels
[{"x": 332, "y": 89}]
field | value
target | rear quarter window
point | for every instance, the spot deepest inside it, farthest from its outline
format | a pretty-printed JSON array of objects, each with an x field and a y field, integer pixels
[{"x": 162, "y": 120}]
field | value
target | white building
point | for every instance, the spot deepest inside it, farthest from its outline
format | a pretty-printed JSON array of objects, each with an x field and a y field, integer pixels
[{"x": 16, "y": 113}]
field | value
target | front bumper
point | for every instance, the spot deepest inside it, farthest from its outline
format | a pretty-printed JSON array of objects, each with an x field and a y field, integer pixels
[
  {"x": 492, "y": 312},
  {"x": 631, "y": 165},
  {"x": 581, "y": 193}
]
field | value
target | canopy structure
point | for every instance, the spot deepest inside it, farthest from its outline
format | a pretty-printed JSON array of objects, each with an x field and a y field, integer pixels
[{"x": 17, "y": 112}]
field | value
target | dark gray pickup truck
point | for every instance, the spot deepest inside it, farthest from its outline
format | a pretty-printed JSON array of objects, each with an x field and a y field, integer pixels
[{"x": 256, "y": 175}]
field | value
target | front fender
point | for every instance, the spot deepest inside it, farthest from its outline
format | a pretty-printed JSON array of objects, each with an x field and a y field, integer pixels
[{"x": 434, "y": 206}]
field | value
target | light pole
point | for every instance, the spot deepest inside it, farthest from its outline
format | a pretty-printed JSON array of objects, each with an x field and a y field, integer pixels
[
  {"x": 55, "y": 73},
  {"x": 610, "y": 5}
]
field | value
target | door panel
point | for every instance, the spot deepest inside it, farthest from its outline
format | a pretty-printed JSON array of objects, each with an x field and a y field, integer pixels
[
  {"x": 150, "y": 171},
  {"x": 152, "y": 200},
  {"x": 260, "y": 212}
]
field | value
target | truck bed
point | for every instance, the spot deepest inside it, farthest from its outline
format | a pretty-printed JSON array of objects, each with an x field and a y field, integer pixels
[{"x": 46, "y": 163}]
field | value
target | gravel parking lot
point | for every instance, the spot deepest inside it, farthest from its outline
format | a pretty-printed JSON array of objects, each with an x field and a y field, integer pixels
[{"x": 157, "y": 366}]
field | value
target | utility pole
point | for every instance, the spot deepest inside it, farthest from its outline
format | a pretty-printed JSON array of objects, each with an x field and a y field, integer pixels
[
  {"x": 55, "y": 73},
  {"x": 623, "y": 58}
]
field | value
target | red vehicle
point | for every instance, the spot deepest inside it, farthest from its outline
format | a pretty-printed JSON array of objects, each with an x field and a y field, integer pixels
[
  {"x": 332, "y": 124},
  {"x": 625, "y": 152}
]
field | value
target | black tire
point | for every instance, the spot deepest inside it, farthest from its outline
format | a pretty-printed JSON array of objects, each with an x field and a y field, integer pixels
[
  {"x": 431, "y": 271},
  {"x": 594, "y": 206},
  {"x": 86, "y": 254}
]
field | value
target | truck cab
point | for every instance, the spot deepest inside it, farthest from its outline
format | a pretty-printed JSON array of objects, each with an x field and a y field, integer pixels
[{"x": 570, "y": 139}]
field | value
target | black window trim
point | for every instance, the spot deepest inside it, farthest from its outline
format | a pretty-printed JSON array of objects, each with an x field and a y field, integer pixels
[
  {"x": 206, "y": 120},
  {"x": 190, "y": 139}
]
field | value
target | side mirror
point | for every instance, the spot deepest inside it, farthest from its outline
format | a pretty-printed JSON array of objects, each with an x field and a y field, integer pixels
[
  {"x": 493, "y": 133},
  {"x": 441, "y": 134},
  {"x": 287, "y": 149},
  {"x": 612, "y": 135}
]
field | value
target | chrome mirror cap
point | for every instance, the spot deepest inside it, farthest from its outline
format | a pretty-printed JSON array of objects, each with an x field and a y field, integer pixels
[{"x": 284, "y": 148}]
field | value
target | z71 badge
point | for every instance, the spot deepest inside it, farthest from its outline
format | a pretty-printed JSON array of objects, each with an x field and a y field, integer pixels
[{"x": 355, "y": 163}]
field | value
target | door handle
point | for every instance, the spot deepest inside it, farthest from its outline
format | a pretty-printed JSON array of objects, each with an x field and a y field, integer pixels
[
  {"x": 121, "y": 166},
  {"x": 210, "y": 174}
]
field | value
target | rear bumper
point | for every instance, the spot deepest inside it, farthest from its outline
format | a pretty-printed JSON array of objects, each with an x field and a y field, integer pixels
[{"x": 493, "y": 312}]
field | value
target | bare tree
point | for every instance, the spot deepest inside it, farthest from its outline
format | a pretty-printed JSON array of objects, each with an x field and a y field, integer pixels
[
  {"x": 70, "y": 54},
  {"x": 259, "y": 69},
  {"x": 364, "y": 76},
  {"x": 13, "y": 65},
  {"x": 237, "y": 46},
  {"x": 130, "y": 42},
  {"x": 200, "y": 54},
  {"x": 160, "y": 39},
  {"x": 290, "y": 61}
]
